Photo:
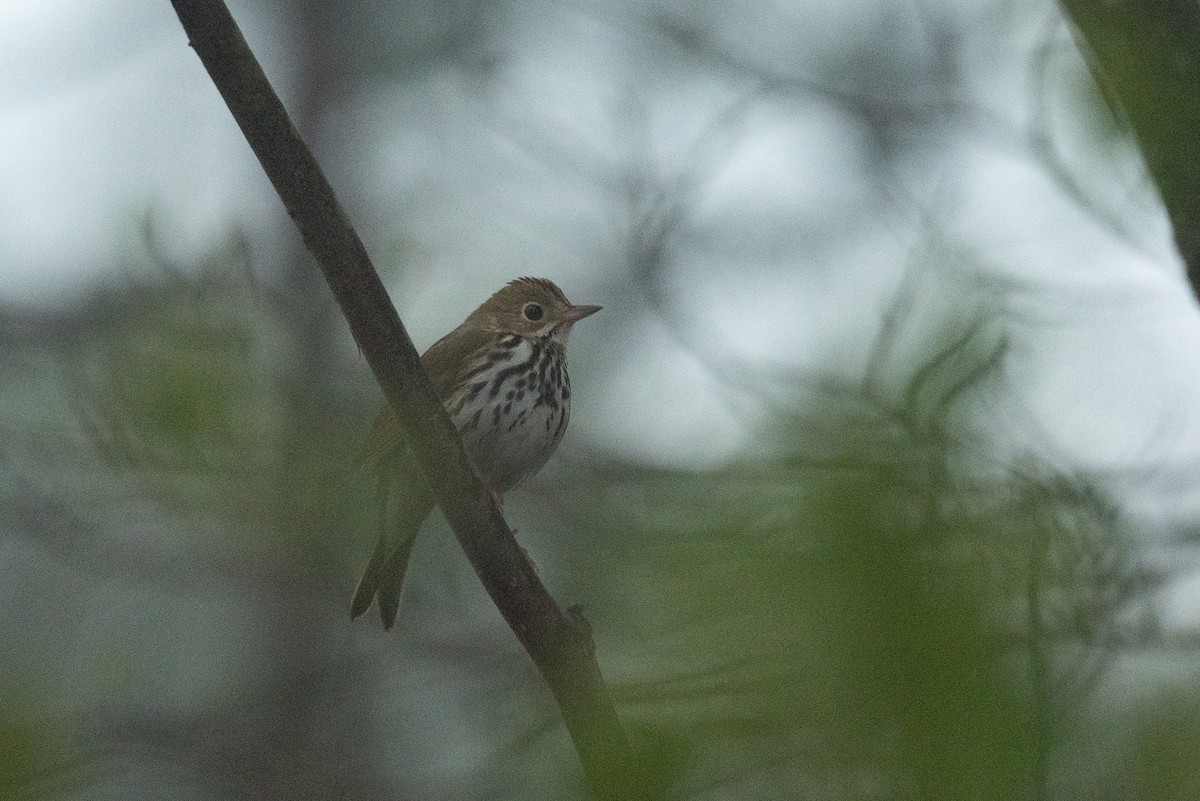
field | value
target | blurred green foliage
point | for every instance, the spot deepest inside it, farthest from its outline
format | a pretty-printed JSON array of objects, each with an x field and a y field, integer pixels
[
  {"x": 33, "y": 747},
  {"x": 1166, "y": 767},
  {"x": 21, "y": 758},
  {"x": 884, "y": 599}
]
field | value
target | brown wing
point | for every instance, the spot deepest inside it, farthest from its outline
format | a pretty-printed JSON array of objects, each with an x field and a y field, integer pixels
[
  {"x": 447, "y": 358},
  {"x": 444, "y": 361}
]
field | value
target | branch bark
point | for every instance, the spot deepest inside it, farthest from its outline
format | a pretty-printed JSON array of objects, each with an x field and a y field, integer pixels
[
  {"x": 559, "y": 643},
  {"x": 1146, "y": 56}
]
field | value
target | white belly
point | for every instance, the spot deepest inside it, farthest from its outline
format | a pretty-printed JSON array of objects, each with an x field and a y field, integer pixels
[{"x": 516, "y": 418}]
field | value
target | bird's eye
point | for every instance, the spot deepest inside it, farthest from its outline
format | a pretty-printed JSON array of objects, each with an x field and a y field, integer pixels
[{"x": 533, "y": 312}]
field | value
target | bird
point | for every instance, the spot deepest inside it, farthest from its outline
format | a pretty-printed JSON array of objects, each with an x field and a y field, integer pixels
[{"x": 502, "y": 377}]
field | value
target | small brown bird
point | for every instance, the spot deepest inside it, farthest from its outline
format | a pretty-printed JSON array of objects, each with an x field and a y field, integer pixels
[{"x": 502, "y": 376}]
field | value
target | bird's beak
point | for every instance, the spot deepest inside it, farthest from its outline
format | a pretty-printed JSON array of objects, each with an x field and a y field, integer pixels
[{"x": 577, "y": 313}]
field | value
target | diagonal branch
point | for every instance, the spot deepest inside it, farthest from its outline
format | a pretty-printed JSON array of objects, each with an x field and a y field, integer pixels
[{"x": 560, "y": 644}]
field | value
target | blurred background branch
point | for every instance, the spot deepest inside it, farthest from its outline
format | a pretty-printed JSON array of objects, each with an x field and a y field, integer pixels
[{"x": 1145, "y": 55}]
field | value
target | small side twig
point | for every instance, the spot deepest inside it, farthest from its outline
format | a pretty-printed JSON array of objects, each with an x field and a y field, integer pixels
[{"x": 560, "y": 644}]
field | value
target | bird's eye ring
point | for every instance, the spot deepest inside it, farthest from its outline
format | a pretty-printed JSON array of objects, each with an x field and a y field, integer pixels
[{"x": 533, "y": 312}]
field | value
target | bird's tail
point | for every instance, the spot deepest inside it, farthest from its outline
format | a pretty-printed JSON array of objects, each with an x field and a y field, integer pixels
[{"x": 401, "y": 511}]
